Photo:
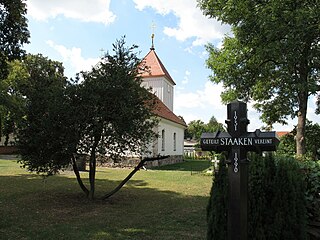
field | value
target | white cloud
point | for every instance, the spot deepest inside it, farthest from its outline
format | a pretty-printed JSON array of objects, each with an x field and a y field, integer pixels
[
  {"x": 84, "y": 10},
  {"x": 73, "y": 57},
  {"x": 205, "y": 101},
  {"x": 192, "y": 23},
  {"x": 186, "y": 77}
]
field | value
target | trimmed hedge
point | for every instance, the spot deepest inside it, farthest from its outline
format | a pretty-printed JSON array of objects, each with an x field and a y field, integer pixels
[
  {"x": 277, "y": 206},
  {"x": 216, "y": 210}
]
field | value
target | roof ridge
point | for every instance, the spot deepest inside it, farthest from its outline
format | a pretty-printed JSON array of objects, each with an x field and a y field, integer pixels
[{"x": 161, "y": 110}]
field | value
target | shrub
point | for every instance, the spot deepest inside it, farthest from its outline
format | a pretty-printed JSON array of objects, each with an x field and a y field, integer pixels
[
  {"x": 311, "y": 170},
  {"x": 216, "y": 210}
]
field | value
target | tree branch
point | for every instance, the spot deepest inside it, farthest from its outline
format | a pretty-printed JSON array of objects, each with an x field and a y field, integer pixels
[
  {"x": 76, "y": 172},
  {"x": 140, "y": 165}
]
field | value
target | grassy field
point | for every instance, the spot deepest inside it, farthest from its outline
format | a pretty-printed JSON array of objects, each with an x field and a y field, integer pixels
[{"x": 163, "y": 203}]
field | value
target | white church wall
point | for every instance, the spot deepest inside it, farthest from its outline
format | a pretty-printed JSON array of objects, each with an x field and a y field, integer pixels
[
  {"x": 172, "y": 144},
  {"x": 162, "y": 88}
]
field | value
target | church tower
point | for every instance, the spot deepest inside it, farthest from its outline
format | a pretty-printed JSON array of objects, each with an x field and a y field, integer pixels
[
  {"x": 158, "y": 78},
  {"x": 171, "y": 127}
]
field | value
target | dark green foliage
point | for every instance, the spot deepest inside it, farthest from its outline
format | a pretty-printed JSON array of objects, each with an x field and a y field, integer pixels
[
  {"x": 311, "y": 170},
  {"x": 287, "y": 144},
  {"x": 217, "y": 208},
  {"x": 276, "y": 201},
  {"x": 115, "y": 109},
  {"x": 13, "y": 32},
  {"x": 261, "y": 193},
  {"x": 271, "y": 58},
  {"x": 41, "y": 135},
  {"x": 107, "y": 113},
  {"x": 197, "y": 127},
  {"x": 288, "y": 203}
]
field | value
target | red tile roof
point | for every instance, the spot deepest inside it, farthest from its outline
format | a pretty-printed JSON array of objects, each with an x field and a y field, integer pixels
[
  {"x": 280, "y": 134},
  {"x": 155, "y": 67},
  {"x": 163, "y": 111}
]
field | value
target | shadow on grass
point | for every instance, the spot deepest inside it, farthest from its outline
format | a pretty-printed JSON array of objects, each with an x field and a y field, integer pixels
[
  {"x": 32, "y": 208},
  {"x": 187, "y": 165}
]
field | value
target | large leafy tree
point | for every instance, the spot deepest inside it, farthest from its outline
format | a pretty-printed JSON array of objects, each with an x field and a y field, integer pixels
[
  {"x": 13, "y": 109},
  {"x": 105, "y": 112},
  {"x": 42, "y": 132},
  {"x": 116, "y": 111},
  {"x": 13, "y": 34},
  {"x": 272, "y": 57}
]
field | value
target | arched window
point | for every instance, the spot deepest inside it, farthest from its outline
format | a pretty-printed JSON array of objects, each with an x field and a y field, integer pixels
[
  {"x": 162, "y": 140},
  {"x": 174, "y": 141}
]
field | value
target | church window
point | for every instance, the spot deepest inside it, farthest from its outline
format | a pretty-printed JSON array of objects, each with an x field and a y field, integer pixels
[
  {"x": 174, "y": 141},
  {"x": 162, "y": 140}
]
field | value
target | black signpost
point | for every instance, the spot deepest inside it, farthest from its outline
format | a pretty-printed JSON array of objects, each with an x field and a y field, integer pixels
[{"x": 237, "y": 142}]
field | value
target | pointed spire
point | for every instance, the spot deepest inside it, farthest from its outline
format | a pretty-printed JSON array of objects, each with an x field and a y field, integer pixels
[
  {"x": 153, "y": 26},
  {"x": 152, "y": 44}
]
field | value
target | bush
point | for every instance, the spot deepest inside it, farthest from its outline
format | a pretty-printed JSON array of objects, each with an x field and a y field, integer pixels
[
  {"x": 216, "y": 210},
  {"x": 311, "y": 170},
  {"x": 276, "y": 202}
]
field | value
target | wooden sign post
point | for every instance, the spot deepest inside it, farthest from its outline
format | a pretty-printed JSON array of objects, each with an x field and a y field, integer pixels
[{"x": 237, "y": 142}]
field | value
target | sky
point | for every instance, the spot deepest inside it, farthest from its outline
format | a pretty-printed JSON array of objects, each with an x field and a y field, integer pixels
[{"x": 78, "y": 32}]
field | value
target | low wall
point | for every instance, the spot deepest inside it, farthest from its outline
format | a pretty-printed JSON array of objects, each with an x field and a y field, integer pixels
[
  {"x": 132, "y": 162},
  {"x": 7, "y": 150}
]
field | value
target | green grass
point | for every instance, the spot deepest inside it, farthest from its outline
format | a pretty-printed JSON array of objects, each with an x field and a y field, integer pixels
[
  {"x": 154, "y": 204},
  {"x": 188, "y": 165}
]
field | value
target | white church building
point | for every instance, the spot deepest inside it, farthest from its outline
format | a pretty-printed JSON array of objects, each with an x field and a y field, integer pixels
[{"x": 171, "y": 127}]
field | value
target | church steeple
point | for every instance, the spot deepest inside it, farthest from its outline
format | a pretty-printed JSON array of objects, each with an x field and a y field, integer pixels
[
  {"x": 157, "y": 77},
  {"x": 153, "y": 26}
]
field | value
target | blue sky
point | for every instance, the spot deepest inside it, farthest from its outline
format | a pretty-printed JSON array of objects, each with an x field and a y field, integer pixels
[{"x": 76, "y": 32}]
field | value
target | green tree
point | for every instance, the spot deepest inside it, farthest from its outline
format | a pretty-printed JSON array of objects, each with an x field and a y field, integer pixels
[
  {"x": 213, "y": 125},
  {"x": 13, "y": 109},
  {"x": 116, "y": 111},
  {"x": 42, "y": 133},
  {"x": 288, "y": 144},
  {"x": 272, "y": 58},
  {"x": 195, "y": 129},
  {"x": 13, "y": 34},
  {"x": 107, "y": 113}
]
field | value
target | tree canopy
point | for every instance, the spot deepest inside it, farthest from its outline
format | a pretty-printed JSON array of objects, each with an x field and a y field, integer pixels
[
  {"x": 197, "y": 127},
  {"x": 104, "y": 112},
  {"x": 272, "y": 57},
  {"x": 42, "y": 132},
  {"x": 13, "y": 34}
]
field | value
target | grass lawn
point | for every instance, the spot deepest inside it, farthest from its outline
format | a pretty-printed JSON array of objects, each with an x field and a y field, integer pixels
[{"x": 163, "y": 203}]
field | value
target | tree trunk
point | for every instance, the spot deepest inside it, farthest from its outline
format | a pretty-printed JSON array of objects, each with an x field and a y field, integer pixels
[
  {"x": 76, "y": 172},
  {"x": 301, "y": 127},
  {"x": 92, "y": 167}
]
